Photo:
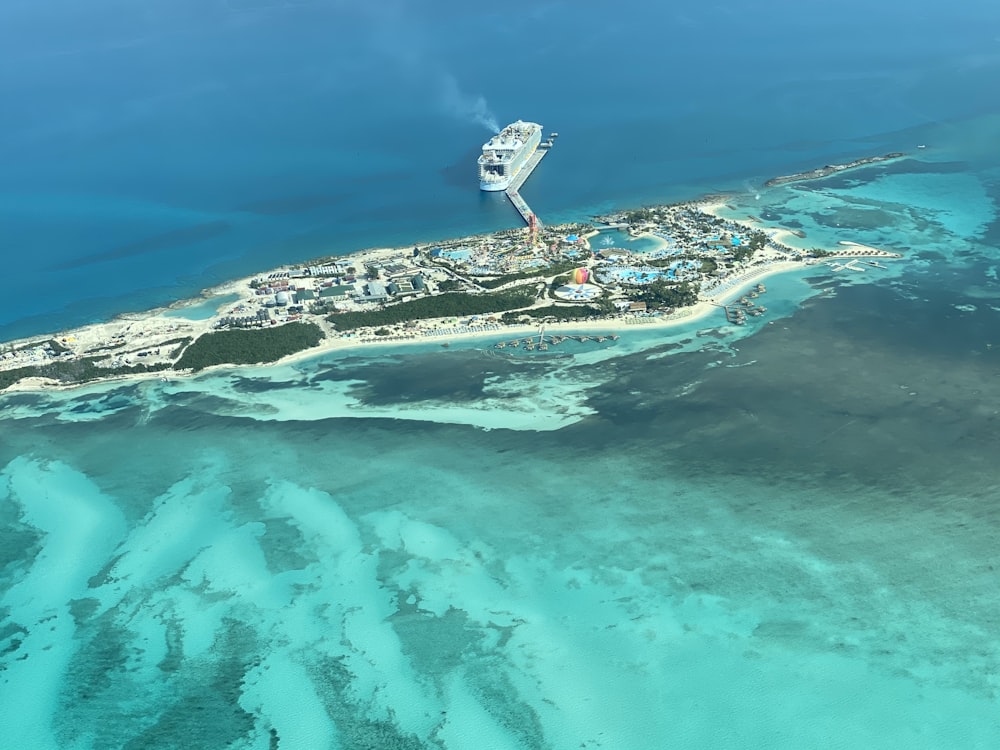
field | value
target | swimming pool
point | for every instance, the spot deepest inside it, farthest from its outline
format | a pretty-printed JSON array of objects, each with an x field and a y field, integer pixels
[{"x": 460, "y": 255}]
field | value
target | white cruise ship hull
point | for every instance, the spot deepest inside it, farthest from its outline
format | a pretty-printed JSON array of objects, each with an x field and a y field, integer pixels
[
  {"x": 505, "y": 154},
  {"x": 494, "y": 185}
]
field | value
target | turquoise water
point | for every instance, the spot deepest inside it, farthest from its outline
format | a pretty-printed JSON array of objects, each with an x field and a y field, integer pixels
[
  {"x": 781, "y": 535},
  {"x": 777, "y": 536},
  {"x": 204, "y": 310},
  {"x": 614, "y": 238},
  {"x": 135, "y": 177},
  {"x": 641, "y": 276},
  {"x": 460, "y": 255},
  {"x": 646, "y": 274}
]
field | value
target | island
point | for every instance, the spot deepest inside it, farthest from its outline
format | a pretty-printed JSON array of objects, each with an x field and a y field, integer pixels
[
  {"x": 509, "y": 284},
  {"x": 829, "y": 169}
]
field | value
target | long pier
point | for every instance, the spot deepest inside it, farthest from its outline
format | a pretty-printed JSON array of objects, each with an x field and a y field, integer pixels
[{"x": 515, "y": 185}]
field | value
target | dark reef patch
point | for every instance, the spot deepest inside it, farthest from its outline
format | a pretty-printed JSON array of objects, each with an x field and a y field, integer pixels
[{"x": 175, "y": 238}]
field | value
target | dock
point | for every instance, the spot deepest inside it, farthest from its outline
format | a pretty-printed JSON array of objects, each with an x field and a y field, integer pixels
[{"x": 515, "y": 185}]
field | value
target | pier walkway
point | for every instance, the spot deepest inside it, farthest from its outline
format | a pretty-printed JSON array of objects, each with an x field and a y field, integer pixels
[{"x": 512, "y": 191}]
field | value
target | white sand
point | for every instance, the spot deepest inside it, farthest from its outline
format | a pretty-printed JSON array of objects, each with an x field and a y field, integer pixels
[
  {"x": 147, "y": 331},
  {"x": 123, "y": 338}
]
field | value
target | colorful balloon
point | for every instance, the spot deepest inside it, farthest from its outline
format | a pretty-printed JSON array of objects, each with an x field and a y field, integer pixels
[{"x": 581, "y": 276}]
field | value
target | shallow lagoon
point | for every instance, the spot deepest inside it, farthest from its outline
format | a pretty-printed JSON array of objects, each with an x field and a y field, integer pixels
[{"x": 203, "y": 310}]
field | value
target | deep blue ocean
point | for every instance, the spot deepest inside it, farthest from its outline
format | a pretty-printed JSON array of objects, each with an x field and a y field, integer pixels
[
  {"x": 779, "y": 536},
  {"x": 152, "y": 149}
]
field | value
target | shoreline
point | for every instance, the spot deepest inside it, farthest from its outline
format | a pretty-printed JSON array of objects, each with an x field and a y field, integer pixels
[
  {"x": 112, "y": 344},
  {"x": 821, "y": 172},
  {"x": 704, "y": 308}
]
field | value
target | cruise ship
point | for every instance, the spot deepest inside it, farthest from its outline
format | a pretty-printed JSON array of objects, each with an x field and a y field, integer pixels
[{"x": 505, "y": 154}]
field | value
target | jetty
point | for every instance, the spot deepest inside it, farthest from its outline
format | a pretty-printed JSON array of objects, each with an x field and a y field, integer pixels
[
  {"x": 736, "y": 312},
  {"x": 544, "y": 340},
  {"x": 829, "y": 169},
  {"x": 515, "y": 185}
]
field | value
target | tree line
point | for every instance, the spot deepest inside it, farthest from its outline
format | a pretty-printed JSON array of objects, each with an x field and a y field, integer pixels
[
  {"x": 249, "y": 346},
  {"x": 450, "y": 305}
]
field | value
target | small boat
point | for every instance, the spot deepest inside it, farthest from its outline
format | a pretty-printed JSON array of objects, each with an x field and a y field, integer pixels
[{"x": 922, "y": 145}]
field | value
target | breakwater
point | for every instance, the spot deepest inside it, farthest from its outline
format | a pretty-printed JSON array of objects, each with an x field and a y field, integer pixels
[{"x": 829, "y": 169}]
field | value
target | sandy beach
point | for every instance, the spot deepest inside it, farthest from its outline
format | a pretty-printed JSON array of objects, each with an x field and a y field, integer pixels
[
  {"x": 153, "y": 337},
  {"x": 152, "y": 328},
  {"x": 786, "y": 237}
]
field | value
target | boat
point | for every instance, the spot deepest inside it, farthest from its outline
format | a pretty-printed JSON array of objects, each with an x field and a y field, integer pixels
[{"x": 505, "y": 154}]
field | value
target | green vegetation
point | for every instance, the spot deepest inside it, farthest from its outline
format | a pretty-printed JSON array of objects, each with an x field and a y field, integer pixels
[
  {"x": 449, "y": 285},
  {"x": 757, "y": 240},
  {"x": 559, "y": 312},
  {"x": 640, "y": 215},
  {"x": 534, "y": 273},
  {"x": 249, "y": 346},
  {"x": 559, "y": 281},
  {"x": 448, "y": 305},
  {"x": 73, "y": 371},
  {"x": 661, "y": 293}
]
